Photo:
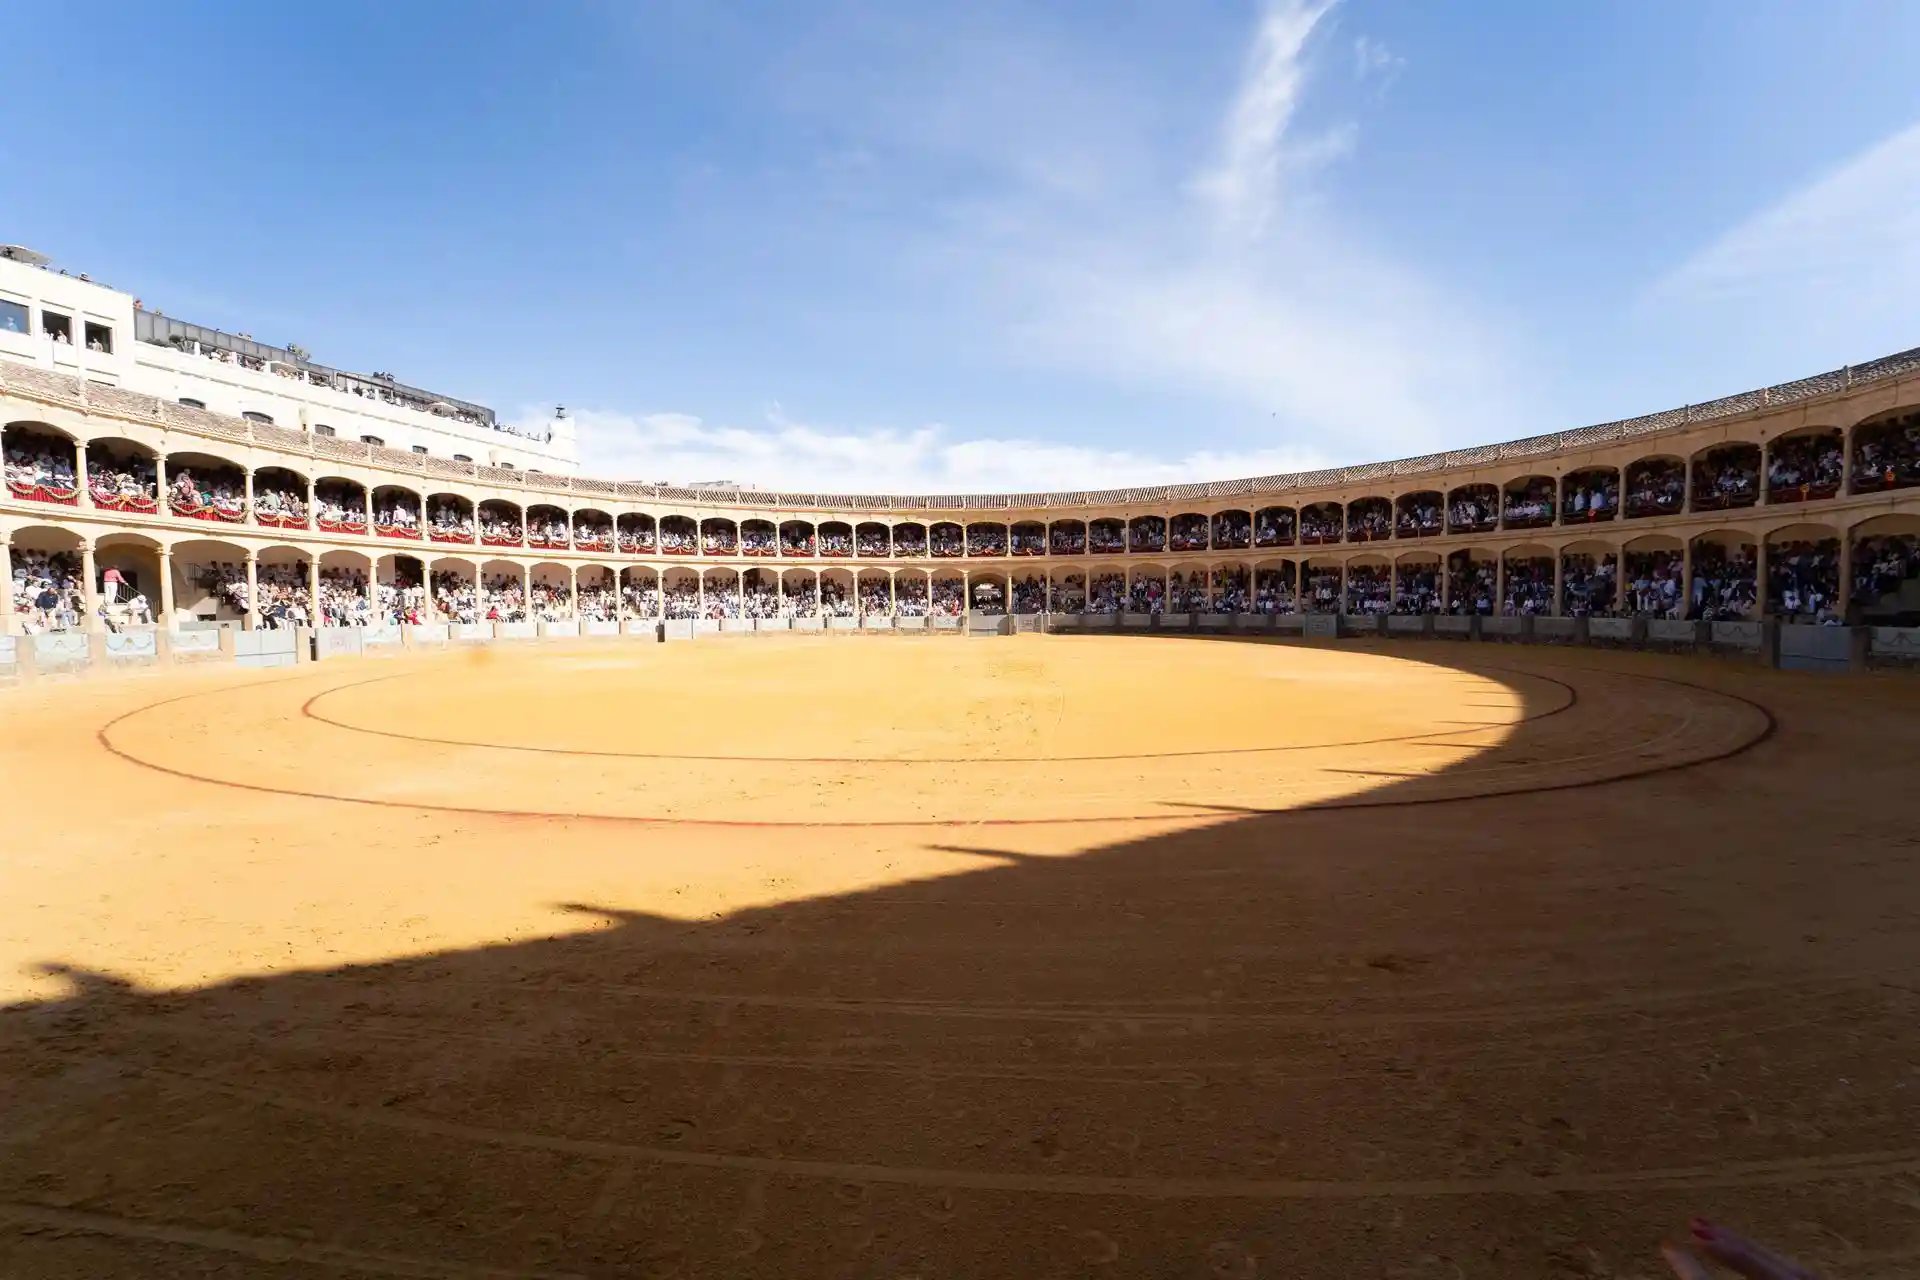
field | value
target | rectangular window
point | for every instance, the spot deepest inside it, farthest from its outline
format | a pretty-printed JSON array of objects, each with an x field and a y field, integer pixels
[
  {"x": 254, "y": 415},
  {"x": 13, "y": 317},
  {"x": 461, "y": 457},
  {"x": 371, "y": 440},
  {"x": 323, "y": 430},
  {"x": 191, "y": 403},
  {"x": 100, "y": 338},
  {"x": 419, "y": 448},
  {"x": 56, "y": 326}
]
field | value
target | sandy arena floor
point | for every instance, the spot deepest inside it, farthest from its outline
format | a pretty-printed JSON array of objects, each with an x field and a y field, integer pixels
[{"x": 889, "y": 957}]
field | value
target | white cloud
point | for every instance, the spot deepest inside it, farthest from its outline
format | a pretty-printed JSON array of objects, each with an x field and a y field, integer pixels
[
  {"x": 1373, "y": 59},
  {"x": 793, "y": 456},
  {"x": 1838, "y": 259}
]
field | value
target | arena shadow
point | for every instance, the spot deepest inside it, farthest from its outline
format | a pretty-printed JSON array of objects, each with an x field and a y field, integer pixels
[{"x": 1517, "y": 1035}]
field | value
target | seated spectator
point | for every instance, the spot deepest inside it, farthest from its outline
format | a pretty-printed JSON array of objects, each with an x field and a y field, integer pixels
[
  {"x": 1474, "y": 509},
  {"x": 1886, "y": 455},
  {"x": 1148, "y": 534},
  {"x": 718, "y": 538},
  {"x": 1187, "y": 593},
  {"x": 1273, "y": 527},
  {"x": 637, "y": 537},
  {"x": 1028, "y": 540},
  {"x": 949, "y": 598},
  {"x": 678, "y": 540},
  {"x": 1588, "y": 587},
  {"x": 947, "y": 540},
  {"x": 1727, "y": 477},
  {"x": 682, "y": 599},
  {"x": 1803, "y": 468},
  {"x": 1273, "y": 592},
  {"x": 1320, "y": 524},
  {"x": 836, "y": 600},
  {"x": 47, "y": 593},
  {"x": 1107, "y": 537},
  {"x": 1369, "y": 520},
  {"x": 799, "y": 598},
  {"x": 796, "y": 540},
  {"x": 1369, "y": 589},
  {"x": 1471, "y": 585},
  {"x": 836, "y": 540},
  {"x": 341, "y": 510},
  {"x": 597, "y": 602},
  {"x": 1882, "y": 565},
  {"x": 986, "y": 540},
  {"x": 642, "y": 596},
  {"x": 1592, "y": 496},
  {"x": 1723, "y": 586},
  {"x": 548, "y": 529},
  {"x": 1147, "y": 595},
  {"x": 215, "y": 495},
  {"x": 1070, "y": 594},
  {"x": 448, "y": 522},
  {"x": 127, "y": 484},
  {"x": 278, "y": 505},
  {"x": 1417, "y": 589},
  {"x": 1321, "y": 587},
  {"x": 910, "y": 596},
  {"x": 1529, "y": 588},
  {"x": 759, "y": 539},
  {"x": 1657, "y": 487},
  {"x": 1188, "y": 533},
  {"x": 1651, "y": 585},
  {"x": 1530, "y": 506},
  {"x": 872, "y": 542},
  {"x": 1067, "y": 538},
  {"x": 1232, "y": 588},
  {"x": 500, "y": 529},
  {"x": 39, "y": 470},
  {"x": 1803, "y": 580},
  {"x": 909, "y": 540},
  {"x": 1029, "y": 595},
  {"x": 988, "y": 598},
  {"x": 1420, "y": 516},
  {"x": 1232, "y": 531},
  {"x": 593, "y": 535},
  {"x": 1107, "y": 593},
  {"x": 876, "y": 598}
]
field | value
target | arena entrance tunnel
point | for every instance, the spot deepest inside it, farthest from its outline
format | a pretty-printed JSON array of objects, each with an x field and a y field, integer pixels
[{"x": 306, "y": 1014}]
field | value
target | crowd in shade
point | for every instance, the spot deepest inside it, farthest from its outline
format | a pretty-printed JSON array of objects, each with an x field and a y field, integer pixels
[
  {"x": 118, "y": 482},
  {"x": 450, "y": 520},
  {"x": 1881, "y": 565},
  {"x": 1887, "y": 455},
  {"x": 1232, "y": 530},
  {"x": 47, "y": 594},
  {"x": 396, "y": 512},
  {"x": 1106, "y": 537},
  {"x": 1723, "y": 585},
  {"x": 1232, "y": 591},
  {"x": 1474, "y": 509},
  {"x": 1420, "y": 516},
  {"x": 1417, "y": 589},
  {"x": 1592, "y": 496},
  {"x": 1320, "y": 523},
  {"x": 1656, "y": 488},
  {"x": 796, "y": 539},
  {"x": 1070, "y": 594},
  {"x": 1107, "y": 593},
  {"x": 1530, "y": 505},
  {"x": 759, "y": 540},
  {"x": 677, "y": 539},
  {"x": 1029, "y": 595},
  {"x": 641, "y": 595},
  {"x": 1320, "y": 587},
  {"x": 343, "y": 507},
  {"x": 548, "y": 528},
  {"x": 500, "y": 527},
  {"x": 947, "y": 541},
  {"x": 1801, "y": 468},
  {"x": 836, "y": 540},
  {"x": 1028, "y": 540},
  {"x": 1589, "y": 585},
  {"x": 593, "y": 535},
  {"x": 872, "y": 541},
  {"x": 286, "y": 598},
  {"x": 1273, "y": 527},
  {"x": 836, "y": 599},
  {"x": 224, "y": 492},
  {"x": 1727, "y": 477},
  {"x": 343, "y": 598},
  {"x": 719, "y": 538},
  {"x": 1273, "y": 592},
  {"x": 1148, "y": 534},
  {"x": 1369, "y": 520},
  {"x": 1187, "y": 533},
  {"x": 1186, "y": 592},
  {"x": 1472, "y": 584},
  {"x": 37, "y": 465},
  {"x": 1369, "y": 589},
  {"x": 987, "y": 540},
  {"x": 1803, "y": 580},
  {"x": 636, "y": 536},
  {"x": 949, "y": 598},
  {"x": 1528, "y": 587},
  {"x": 1651, "y": 584},
  {"x": 682, "y": 599},
  {"x": 281, "y": 503},
  {"x": 910, "y": 540},
  {"x": 1147, "y": 594},
  {"x": 1067, "y": 538}
]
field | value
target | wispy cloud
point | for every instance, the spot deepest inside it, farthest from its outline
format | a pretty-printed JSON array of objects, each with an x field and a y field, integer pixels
[
  {"x": 796, "y": 456},
  {"x": 1372, "y": 60}
]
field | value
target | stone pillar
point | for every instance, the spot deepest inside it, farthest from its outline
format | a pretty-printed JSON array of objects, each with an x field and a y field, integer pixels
[
  {"x": 1446, "y": 582},
  {"x": 251, "y": 621},
  {"x": 313, "y": 592},
  {"x": 619, "y": 593},
  {"x": 89, "y": 592},
  {"x": 249, "y": 475},
  {"x": 373, "y": 588},
  {"x": 1759, "y": 578},
  {"x": 1844, "y": 598},
  {"x": 1559, "y": 581},
  {"x": 573, "y": 590},
  {"x": 1686, "y": 577},
  {"x": 526, "y": 585},
  {"x": 80, "y": 473}
]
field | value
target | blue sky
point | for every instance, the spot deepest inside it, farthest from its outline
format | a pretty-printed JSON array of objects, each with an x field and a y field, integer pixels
[{"x": 864, "y": 245}]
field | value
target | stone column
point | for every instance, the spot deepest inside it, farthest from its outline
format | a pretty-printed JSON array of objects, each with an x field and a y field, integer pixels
[
  {"x": 619, "y": 592},
  {"x": 1559, "y": 580},
  {"x": 250, "y": 621},
  {"x": 573, "y": 591},
  {"x": 313, "y": 592},
  {"x": 1844, "y": 600},
  {"x": 1500, "y": 583},
  {"x": 1686, "y": 576},
  {"x": 1446, "y": 582},
  {"x": 248, "y": 473},
  {"x": 80, "y": 473},
  {"x": 373, "y": 587},
  {"x": 89, "y": 592},
  {"x": 1759, "y": 578}
]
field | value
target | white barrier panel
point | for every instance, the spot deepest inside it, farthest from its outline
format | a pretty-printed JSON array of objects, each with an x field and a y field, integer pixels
[
  {"x": 1136, "y": 619},
  {"x": 599, "y": 627},
  {"x": 427, "y": 634},
  {"x": 133, "y": 645},
  {"x": 736, "y": 624},
  {"x": 909, "y": 624},
  {"x": 775, "y": 624},
  {"x": 1810, "y": 648},
  {"x": 195, "y": 642},
  {"x": 336, "y": 642},
  {"x": 1888, "y": 642},
  {"x": 1503, "y": 627},
  {"x": 706, "y": 627},
  {"x": 877, "y": 622},
  {"x": 1175, "y": 621},
  {"x": 1253, "y": 622},
  {"x": 385, "y": 636},
  {"x": 679, "y": 629},
  {"x": 1294, "y": 623},
  {"x": 989, "y": 624},
  {"x": 1737, "y": 635},
  {"x": 66, "y": 649},
  {"x": 9, "y": 651},
  {"x": 516, "y": 630},
  {"x": 264, "y": 648},
  {"x": 1359, "y": 624},
  {"x": 1451, "y": 624},
  {"x": 1214, "y": 621},
  {"x": 1670, "y": 631},
  {"x": 568, "y": 630},
  {"x": 1617, "y": 630},
  {"x": 1104, "y": 621},
  {"x": 470, "y": 632},
  {"x": 809, "y": 624},
  {"x": 1400, "y": 624},
  {"x": 1563, "y": 630},
  {"x": 1321, "y": 626},
  {"x": 644, "y": 627},
  {"x": 843, "y": 624},
  {"x": 945, "y": 623}
]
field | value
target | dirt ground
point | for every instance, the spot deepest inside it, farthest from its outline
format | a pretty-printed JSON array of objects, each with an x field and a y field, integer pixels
[{"x": 939, "y": 957}]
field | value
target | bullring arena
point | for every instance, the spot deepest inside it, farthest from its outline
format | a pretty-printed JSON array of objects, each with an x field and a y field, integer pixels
[{"x": 982, "y": 932}]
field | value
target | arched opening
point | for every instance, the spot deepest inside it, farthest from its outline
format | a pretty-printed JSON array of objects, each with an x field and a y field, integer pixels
[
  {"x": 1369, "y": 586},
  {"x": 640, "y": 589},
  {"x": 1030, "y": 594},
  {"x": 455, "y": 586},
  {"x": 679, "y": 536},
  {"x": 1320, "y": 585},
  {"x": 1274, "y": 587},
  {"x": 1803, "y": 573},
  {"x": 1655, "y": 487},
  {"x": 1528, "y": 503},
  {"x": 1069, "y": 592},
  {"x": 1188, "y": 531},
  {"x": 796, "y": 538},
  {"x": 396, "y": 512},
  {"x": 1028, "y": 538},
  {"x": 1187, "y": 589},
  {"x": 871, "y": 540},
  {"x": 41, "y": 463},
  {"x": 1805, "y": 465},
  {"x": 550, "y": 593},
  {"x": 1232, "y": 530},
  {"x": 1274, "y": 527},
  {"x": 503, "y": 592},
  {"x": 1886, "y": 570},
  {"x": 722, "y": 588},
  {"x": 1724, "y": 564},
  {"x": 680, "y": 590},
  {"x": 501, "y": 524},
  {"x": 597, "y": 599},
  {"x": 910, "y": 540},
  {"x": 201, "y": 486},
  {"x": 875, "y": 590},
  {"x": 986, "y": 538},
  {"x": 1232, "y": 587},
  {"x": 836, "y": 540},
  {"x": 450, "y": 519},
  {"x": 343, "y": 589},
  {"x": 759, "y": 538},
  {"x": 1147, "y": 535},
  {"x": 837, "y": 599},
  {"x": 1067, "y": 538},
  {"x": 1590, "y": 495},
  {"x": 279, "y": 498},
  {"x": 210, "y": 581},
  {"x": 1147, "y": 592},
  {"x": 593, "y": 531},
  {"x": 1107, "y": 537},
  {"x": 548, "y": 528},
  {"x": 1369, "y": 520},
  {"x": 800, "y": 594},
  {"x": 285, "y": 580},
  {"x": 1472, "y": 583},
  {"x": 987, "y": 595},
  {"x": 948, "y": 598},
  {"x": 1320, "y": 524},
  {"x": 1589, "y": 580},
  {"x": 1473, "y": 508},
  {"x": 1886, "y": 452},
  {"x": 1652, "y": 581},
  {"x": 1726, "y": 476},
  {"x": 1106, "y": 591},
  {"x": 126, "y": 570},
  {"x": 947, "y": 540},
  {"x": 1421, "y": 514},
  {"x": 1528, "y": 586},
  {"x": 1416, "y": 583},
  {"x": 123, "y": 476},
  {"x": 760, "y": 588},
  {"x": 910, "y": 594},
  {"x": 340, "y": 506},
  {"x": 400, "y": 590},
  {"x": 636, "y": 534},
  {"x": 719, "y": 537},
  {"x": 47, "y": 589}
]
